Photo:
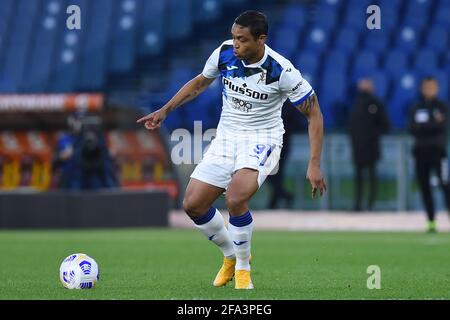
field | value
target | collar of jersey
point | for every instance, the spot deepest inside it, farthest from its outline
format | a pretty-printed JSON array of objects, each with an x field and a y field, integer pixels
[{"x": 260, "y": 62}]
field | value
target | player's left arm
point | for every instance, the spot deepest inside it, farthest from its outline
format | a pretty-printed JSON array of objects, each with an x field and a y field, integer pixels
[{"x": 311, "y": 109}]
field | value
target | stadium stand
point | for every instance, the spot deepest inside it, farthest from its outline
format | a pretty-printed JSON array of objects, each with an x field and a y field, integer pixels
[{"x": 126, "y": 48}]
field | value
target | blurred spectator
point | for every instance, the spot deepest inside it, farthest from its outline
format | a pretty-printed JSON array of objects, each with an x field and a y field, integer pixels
[
  {"x": 291, "y": 120},
  {"x": 428, "y": 122},
  {"x": 83, "y": 157},
  {"x": 368, "y": 121}
]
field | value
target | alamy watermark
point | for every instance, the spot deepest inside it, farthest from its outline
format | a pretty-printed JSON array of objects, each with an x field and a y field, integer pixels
[
  {"x": 255, "y": 148},
  {"x": 374, "y": 280},
  {"x": 374, "y": 20},
  {"x": 73, "y": 21}
]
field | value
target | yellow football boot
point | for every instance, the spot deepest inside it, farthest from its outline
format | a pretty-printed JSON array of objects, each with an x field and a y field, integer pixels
[
  {"x": 225, "y": 273},
  {"x": 243, "y": 280}
]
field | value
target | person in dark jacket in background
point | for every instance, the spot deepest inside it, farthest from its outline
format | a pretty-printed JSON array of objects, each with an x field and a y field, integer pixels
[
  {"x": 428, "y": 122},
  {"x": 292, "y": 125},
  {"x": 368, "y": 121}
]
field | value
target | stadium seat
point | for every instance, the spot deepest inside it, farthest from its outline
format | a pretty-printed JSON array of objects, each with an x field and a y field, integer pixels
[
  {"x": 382, "y": 83},
  {"x": 307, "y": 62},
  {"x": 352, "y": 17},
  {"x": 317, "y": 39},
  {"x": 359, "y": 4},
  {"x": 346, "y": 40},
  {"x": 396, "y": 62},
  {"x": 152, "y": 36},
  {"x": 437, "y": 39},
  {"x": 325, "y": 18},
  {"x": 376, "y": 40},
  {"x": 425, "y": 61},
  {"x": 6, "y": 9},
  {"x": 405, "y": 92},
  {"x": 125, "y": 31},
  {"x": 286, "y": 41},
  {"x": 207, "y": 10},
  {"x": 294, "y": 17},
  {"x": 365, "y": 63},
  {"x": 389, "y": 18},
  {"x": 43, "y": 46},
  {"x": 330, "y": 4},
  {"x": 407, "y": 39},
  {"x": 336, "y": 61},
  {"x": 332, "y": 97},
  {"x": 442, "y": 14},
  {"x": 180, "y": 19},
  {"x": 417, "y": 15},
  {"x": 389, "y": 4}
]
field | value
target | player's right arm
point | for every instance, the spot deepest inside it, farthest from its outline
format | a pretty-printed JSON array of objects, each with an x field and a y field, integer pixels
[{"x": 188, "y": 92}]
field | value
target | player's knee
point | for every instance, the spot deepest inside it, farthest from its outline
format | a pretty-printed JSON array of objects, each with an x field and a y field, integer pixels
[
  {"x": 236, "y": 202},
  {"x": 192, "y": 208}
]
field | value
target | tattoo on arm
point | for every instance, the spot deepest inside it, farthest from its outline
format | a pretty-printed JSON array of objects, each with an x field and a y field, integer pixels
[{"x": 306, "y": 106}]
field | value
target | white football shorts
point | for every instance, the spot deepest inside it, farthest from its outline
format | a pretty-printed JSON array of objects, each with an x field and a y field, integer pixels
[{"x": 227, "y": 155}]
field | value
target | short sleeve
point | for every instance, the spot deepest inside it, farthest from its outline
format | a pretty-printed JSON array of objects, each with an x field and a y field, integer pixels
[
  {"x": 211, "y": 69},
  {"x": 294, "y": 86}
]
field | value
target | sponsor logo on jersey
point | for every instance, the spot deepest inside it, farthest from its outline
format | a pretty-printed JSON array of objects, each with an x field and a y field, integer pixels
[
  {"x": 241, "y": 104},
  {"x": 245, "y": 91},
  {"x": 298, "y": 85}
]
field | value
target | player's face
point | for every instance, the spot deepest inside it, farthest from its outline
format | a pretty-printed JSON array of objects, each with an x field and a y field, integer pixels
[
  {"x": 430, "y": 89},
  {"x": 245, "y": 46}
]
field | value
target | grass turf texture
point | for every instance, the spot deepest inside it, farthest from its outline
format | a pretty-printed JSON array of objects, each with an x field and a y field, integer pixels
[{"x": 181, "y": 264}]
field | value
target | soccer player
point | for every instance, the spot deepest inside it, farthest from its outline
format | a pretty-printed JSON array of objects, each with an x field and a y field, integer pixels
[{"x": 256, "y": 81}]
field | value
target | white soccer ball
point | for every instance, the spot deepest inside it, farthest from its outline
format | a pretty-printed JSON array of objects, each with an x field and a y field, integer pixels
[{"x": 79, "y": 271}]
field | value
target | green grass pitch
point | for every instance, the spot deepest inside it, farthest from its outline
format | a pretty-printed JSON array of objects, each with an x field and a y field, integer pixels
[{"x": 181, "y": 264}]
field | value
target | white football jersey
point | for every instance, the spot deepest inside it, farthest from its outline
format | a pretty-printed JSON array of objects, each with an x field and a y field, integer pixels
[{"x": 253, "y": 94}]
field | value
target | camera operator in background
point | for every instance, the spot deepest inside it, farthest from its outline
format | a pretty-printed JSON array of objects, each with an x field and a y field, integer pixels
[
  {"x": 83, "y": 157},
  {"x": 428, "y": 123}
]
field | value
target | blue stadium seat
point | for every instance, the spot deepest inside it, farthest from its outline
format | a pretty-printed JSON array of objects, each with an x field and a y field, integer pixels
[
  {"x": 376, "y": 40},
  {"x": 330, "y": 4},
  {"x": 6, "y": 10},
  {"x": 359, "y": 4},
  {"x": 346, "y": 40},
  {"x": 396, "y": 62},
  {"x": 180, "y": 19},
  {"x": 426, "y": 61},
  {"x": 317, "y": 39},
  {"x": 123, "y": 37},
  {"x": 336, "y": 61},
  {"x": 332, "y": 97},
  {"x": 443, "y": 4},
  {"x": 43, "y": 46},
  {"x": 352, "y": 18},
  {"x": 407, "y": 39},
  {"x": 442, "y": 15},
  {"x": 307, "y": 62},
  {"x": 389, "y": 5},
  {"x": 152, "y": 37},
  {"x": 405, "y": 92},
  {"x": 417, "y": 15},
  {"x": 207, "y": 10},
  {"x": 285, "y": 41},
  {"x": 325, "y": 18},
  {"x": 437, "y": 39},
  {"x": 294, "y": 16},
  {"x": 381, "y": 81},
  {"x": 365, "y": 63},
  {"x": 444, "y": 85},
  {"x": 389, "y": 18}
]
